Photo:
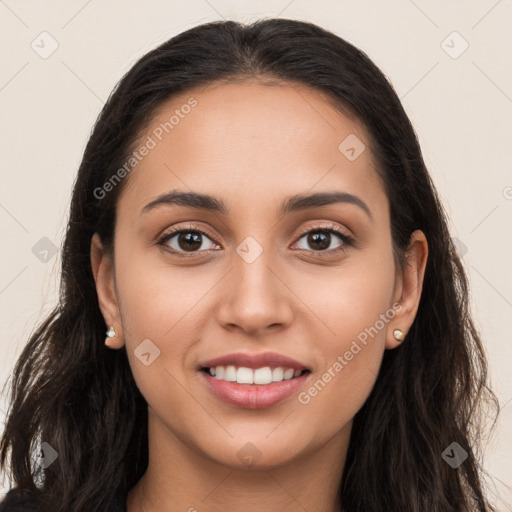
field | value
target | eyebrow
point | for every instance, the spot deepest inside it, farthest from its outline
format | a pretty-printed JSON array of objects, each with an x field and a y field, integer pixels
[{"x": 294, "y": 203}]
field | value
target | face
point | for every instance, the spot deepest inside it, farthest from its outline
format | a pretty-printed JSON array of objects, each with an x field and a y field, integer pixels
[{"x": 316, "y": 283}]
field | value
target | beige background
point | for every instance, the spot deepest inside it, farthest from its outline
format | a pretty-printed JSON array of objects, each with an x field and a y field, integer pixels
[{"x": 461, "y": 108}]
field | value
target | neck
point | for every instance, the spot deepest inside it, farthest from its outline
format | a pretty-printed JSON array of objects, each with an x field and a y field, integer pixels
[{"x": 181, "y": 479}]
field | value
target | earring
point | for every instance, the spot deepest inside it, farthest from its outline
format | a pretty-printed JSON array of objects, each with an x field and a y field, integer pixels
[
  {"x": 399, "y": 335},
  {"x": 111, "y": 333}
]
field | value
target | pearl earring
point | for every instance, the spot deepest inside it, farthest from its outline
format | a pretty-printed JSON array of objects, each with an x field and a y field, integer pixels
[
  {"x": 111, "y": 333},
  {"x": 399, "y": 335}
]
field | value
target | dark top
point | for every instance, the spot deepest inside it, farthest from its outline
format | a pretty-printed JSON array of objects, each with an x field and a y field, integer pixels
[
  {"x": 18, "y": 500},
  {"x": 22, "y": 500}
]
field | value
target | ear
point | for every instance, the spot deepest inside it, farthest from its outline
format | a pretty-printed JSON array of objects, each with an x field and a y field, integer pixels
[
  {"x": 409, "y": 286},
  {"x": 103, "y": 271}
]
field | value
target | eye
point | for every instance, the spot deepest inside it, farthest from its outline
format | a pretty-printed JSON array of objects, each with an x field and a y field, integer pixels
[
  {"x": 320, "y": 238},
  {"x": 186, "y": 240},
  {"x": 192, "y": 240}
]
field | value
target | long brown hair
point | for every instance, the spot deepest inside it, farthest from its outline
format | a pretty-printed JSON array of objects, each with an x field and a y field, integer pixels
[{"x": 70, "y": 391}]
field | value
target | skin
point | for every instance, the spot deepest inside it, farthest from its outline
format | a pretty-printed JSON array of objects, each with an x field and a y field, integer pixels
[{"x": 252, "y": 146}]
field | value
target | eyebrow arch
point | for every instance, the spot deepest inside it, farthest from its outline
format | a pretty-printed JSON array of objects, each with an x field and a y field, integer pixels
[
  {"x": 302, "y": 201},
  {"x": 294, "y": 203}
]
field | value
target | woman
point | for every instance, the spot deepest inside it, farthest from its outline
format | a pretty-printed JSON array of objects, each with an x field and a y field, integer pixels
[{"x": 286, "y": 317}]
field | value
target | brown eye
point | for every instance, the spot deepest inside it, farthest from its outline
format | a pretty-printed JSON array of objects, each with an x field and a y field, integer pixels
[
  {"x": 183, "y": 241},
  {"x": 320, "y": 239},
  {"x": 189, "y": 241}
]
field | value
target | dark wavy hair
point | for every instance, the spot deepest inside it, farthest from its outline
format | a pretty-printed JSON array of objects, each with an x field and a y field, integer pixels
[{"x": 72, "y": 392}]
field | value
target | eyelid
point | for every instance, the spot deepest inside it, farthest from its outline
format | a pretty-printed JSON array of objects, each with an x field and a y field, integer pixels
[
  {"x": 347, "y": 239},
  {"x": 317, "y": 227},
  {"x": 167, "y": 235}
]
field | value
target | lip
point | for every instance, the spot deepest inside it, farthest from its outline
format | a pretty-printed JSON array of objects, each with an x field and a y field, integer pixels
[
  {"x": 251, "y": 396},
  {"x": 254, "y": 361}
]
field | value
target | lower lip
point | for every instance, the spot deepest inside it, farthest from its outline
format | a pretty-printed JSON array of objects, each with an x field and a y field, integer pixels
[{"x": 253, "y": 396}]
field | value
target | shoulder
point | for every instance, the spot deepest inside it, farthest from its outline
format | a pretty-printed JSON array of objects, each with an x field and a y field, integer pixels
[{"x": 19, "y": 500}]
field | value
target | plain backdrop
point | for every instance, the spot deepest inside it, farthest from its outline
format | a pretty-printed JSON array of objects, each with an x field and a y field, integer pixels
[{"x": 450, "y": 62}]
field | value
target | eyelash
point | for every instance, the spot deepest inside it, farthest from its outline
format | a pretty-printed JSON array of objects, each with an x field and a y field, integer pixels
[{"x": 347, "y": 240}]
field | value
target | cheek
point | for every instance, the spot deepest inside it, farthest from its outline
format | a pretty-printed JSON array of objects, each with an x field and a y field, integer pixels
[
  {"x": 351, "y": 360},
  {"x": 156, "y": 298},
  {"x": 350, "y": 298},
  {"x": 163, "y": 304},
  {"x": 339, "y": 390},
  {"x": 354, "y": 308}
]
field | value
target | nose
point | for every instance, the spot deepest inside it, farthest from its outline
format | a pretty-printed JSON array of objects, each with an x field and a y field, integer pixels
[{"x": 255, "y": 297}]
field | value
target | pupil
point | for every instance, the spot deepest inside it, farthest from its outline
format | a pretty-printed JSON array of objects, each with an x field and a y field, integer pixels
[
  {"x": 192, "y": 240},
  {"x": 189, "y": 241},
  {"x": 321, "y": 238}
]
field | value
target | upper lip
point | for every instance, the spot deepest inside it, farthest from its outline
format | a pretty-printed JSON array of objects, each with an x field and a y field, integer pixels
[{"x": 246, "y": 360}]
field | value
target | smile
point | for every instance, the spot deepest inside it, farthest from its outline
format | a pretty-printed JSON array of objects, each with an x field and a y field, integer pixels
[{"x": 258, "y": 376}]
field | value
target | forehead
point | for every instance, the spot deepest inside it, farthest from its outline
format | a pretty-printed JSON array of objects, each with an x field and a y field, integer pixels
[{"x": 251, "y": 142}]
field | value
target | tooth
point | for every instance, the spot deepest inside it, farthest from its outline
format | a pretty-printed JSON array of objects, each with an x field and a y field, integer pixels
[
  {"x": 277, "y": 374},
  {"x": 230, "y": 374},
  {"x": 260, "y": 376},
  {"x": 288, "y": 374},
  {"x": 263, "y": 375},
  {"x": 244, "y": 375}
]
